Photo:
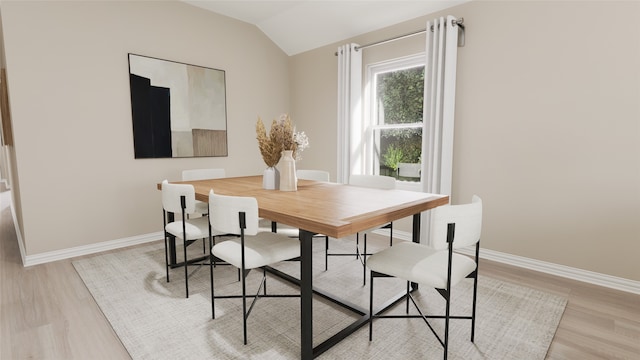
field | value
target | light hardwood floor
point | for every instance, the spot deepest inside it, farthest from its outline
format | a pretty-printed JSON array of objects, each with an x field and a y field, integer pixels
[{"x": 46, "y": 312}]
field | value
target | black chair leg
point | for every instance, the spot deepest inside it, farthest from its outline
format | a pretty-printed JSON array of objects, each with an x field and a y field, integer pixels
[
  {"x": 166, "y": 241},
  {"x": 475, "y": 293},
  {"x": 264, "y": 277},
  {"x": 326, "y": 253},
  {"x": 211, "y": 263},
  {"x": 166, "y": 256},
  {"x": 186, "y": 270},
  {"x": 244, "y": 309},
  {"x": 407, "y": 305},
  {"x": 371, "y": 308},
  {"x": 364, "y": 262},
  {"x": 446, "y": 326},
  {"x": 473, "y": 308}
]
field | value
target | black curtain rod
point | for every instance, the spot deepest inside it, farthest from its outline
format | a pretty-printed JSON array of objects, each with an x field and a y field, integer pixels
[{"x": 459, "y": 22}]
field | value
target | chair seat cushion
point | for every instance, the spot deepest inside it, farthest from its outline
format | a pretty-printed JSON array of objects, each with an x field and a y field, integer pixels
[
  {"x": 196, "y": 228},
  {"x": 290, "y": 232},
  {"x": 264, "y": 225},
  {"x": 265, "y": 248},
  {"x": 421, "y": 264},
  {"x": 202, "y": 207}
]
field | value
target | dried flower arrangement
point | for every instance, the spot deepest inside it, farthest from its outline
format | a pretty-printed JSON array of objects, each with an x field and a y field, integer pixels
[
  {"x": 302, "y": 142},
  {"x": 281, "y": 137}
]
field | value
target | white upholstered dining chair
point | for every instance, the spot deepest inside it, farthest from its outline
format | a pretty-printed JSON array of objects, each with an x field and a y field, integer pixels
[
  {"x": 316, "y": 175},
  {"x": 436, "y": 266},
  {"x": 370, "y": 181},
  {"x": 180, "y": 199},
  {"x": 250, "y": 250},
  {"x": 202, "y": 207},
  {"x": 202, "y": 174}
]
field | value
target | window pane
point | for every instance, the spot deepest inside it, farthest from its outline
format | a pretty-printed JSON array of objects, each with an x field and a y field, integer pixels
[
  {"x": 399, "y": 152},
  {"x": 400, "y": 95},
  {"x": 395, "y": 118}
]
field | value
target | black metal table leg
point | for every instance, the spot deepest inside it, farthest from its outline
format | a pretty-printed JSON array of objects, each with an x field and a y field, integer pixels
[
  {"x": 361, "y": 312},
  {"x": 306, "y": 298},
  {"x": 415, "y": 237},
  {"x": 306, "y": 295}
]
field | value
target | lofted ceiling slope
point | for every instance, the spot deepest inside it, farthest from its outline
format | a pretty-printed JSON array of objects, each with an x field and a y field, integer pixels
[{"x": 297, "y": 26}]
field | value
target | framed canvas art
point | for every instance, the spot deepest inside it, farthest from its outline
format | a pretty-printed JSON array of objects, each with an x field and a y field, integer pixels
[{"x": 178, "y": 110}]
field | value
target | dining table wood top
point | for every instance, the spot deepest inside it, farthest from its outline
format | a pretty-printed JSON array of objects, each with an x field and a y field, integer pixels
[{"x": 333, "y": 209}]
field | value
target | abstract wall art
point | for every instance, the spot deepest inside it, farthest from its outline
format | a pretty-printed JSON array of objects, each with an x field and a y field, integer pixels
[{"x": 178, "y": 110}]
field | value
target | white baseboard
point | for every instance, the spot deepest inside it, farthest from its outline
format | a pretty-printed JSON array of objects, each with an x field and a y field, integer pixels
[
  {"x": 18, "y": 233},
  {"x": 29, "y": 260},
  {"x": 519, "y": 261},
  {"x": 590, "y": 277},
  {"x": 46, "y": 257}
]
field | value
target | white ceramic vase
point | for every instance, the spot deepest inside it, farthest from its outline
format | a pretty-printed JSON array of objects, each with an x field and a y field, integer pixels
[
  {"x": 288, "y": 181},
  {"x": 271, "y": 178}
]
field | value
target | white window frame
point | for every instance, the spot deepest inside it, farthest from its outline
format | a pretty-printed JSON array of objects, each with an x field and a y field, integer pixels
[{"x": 372, "y": 162}]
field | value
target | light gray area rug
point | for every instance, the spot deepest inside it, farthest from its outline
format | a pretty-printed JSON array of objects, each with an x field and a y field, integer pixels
[{"x": 155, "y": 321}]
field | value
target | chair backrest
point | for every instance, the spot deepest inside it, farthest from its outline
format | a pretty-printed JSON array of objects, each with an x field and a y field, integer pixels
[
  {"x": 468, "y": 220},
  {"x": 171, "y": 194},
  {"x": 224, "y": 210},
  {"x": 317, "y": 175},
  {"x": 373, "y": 181},
  {"x": 202, "y": 174}
]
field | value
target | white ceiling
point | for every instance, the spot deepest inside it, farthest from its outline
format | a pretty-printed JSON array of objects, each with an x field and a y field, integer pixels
[{"x": 300, "y": 25}]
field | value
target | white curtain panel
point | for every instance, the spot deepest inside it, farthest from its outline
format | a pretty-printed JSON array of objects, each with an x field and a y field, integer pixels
[
  {"x": 350, "y": 122},
  {"x": 439, "y": 107}
]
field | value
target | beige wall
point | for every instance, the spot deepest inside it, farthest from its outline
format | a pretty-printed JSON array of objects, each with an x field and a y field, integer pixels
[
  {"x": 547, "y": 125},
  {"x": 547, "y": 128},
  {"x": 79, "y": 183}
]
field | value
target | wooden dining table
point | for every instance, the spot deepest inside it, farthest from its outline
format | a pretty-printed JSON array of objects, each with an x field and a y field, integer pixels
[{"x": 332, "y": 209}]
